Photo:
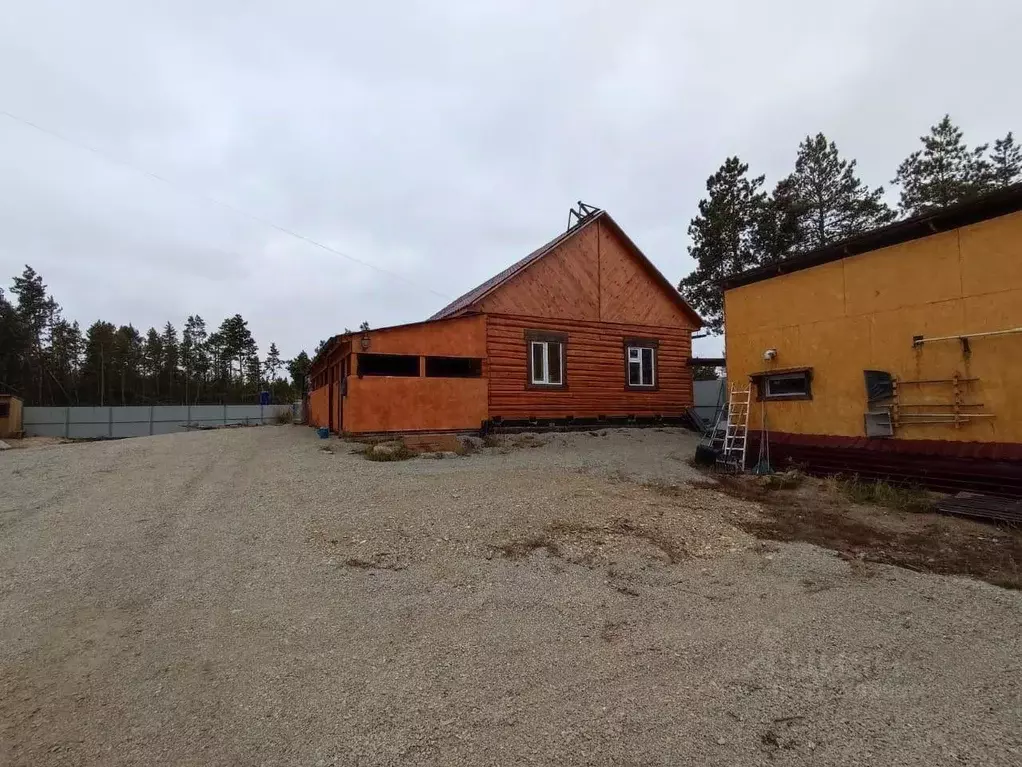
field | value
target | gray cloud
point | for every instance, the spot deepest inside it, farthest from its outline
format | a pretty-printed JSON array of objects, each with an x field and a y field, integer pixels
[{"x": 440, "y": 141}]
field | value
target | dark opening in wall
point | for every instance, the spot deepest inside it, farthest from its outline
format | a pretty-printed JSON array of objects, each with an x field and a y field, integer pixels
[
  {"x": 454, "y": 367},
  {"x": 388, "y": 365}
]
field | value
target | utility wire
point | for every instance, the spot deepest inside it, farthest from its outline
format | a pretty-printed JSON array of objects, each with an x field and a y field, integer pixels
[{"x": 238, "y": 211}]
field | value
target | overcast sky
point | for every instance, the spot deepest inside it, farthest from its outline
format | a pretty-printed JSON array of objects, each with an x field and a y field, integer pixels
[{"x": 439, "y": 141}]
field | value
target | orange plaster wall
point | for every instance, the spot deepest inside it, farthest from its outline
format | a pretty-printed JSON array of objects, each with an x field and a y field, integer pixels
[
  {"x": 461, "y": 337},
  {"x": 319, "y": 403},
  {"x": 383, "y": 403}
]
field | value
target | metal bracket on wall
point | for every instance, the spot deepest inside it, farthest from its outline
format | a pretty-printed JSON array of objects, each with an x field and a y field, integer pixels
[{"x": 953, "y": 417}]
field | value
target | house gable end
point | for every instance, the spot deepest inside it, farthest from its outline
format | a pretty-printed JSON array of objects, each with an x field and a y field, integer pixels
[{"x": 597, "y": 274}]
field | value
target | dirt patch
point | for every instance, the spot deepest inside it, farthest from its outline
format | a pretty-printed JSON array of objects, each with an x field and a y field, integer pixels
[
  {"x": 382, "y": 560},
  {"x": 821, "y": 512},
  {"x": 586, "y": 544}
]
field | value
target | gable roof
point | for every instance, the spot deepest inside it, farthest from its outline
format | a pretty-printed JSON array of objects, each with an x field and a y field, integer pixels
[
  {"x": 465, "y": 301},
  {"x": 970, "y": 211}
]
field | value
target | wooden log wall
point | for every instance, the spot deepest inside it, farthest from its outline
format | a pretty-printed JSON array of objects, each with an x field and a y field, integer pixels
[{"x": 595, "y": 370}]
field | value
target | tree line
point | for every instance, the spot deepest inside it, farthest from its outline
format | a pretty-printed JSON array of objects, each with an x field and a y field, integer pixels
[
  {"x": 741, "y": 226},
  {"x": 47, "y": 360}
]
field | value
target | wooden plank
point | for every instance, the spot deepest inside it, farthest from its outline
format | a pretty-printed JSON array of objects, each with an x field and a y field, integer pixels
[{"x": 564, "y": 283}]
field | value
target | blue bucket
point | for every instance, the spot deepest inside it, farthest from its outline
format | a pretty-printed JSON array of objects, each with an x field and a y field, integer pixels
[{"x": 323, "y": 432}]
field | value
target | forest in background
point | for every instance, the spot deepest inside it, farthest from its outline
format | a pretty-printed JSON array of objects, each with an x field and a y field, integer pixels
[
  {"x": 740, "y": 226},
  {"x": 47, "y": 360}
]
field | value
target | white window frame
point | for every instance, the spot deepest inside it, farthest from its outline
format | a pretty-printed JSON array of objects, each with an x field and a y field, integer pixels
[
  {"x": 543, "y": 377},
  {"x": 768, "y": 380},
  {"x": 637, "y": 350}
]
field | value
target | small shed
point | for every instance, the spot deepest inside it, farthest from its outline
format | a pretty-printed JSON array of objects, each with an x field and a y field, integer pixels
[{"x": 10, "y": 416}]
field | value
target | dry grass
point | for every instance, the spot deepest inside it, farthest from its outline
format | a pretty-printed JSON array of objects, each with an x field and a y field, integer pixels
[
  {"x": 884, "y": 494},
  {"x": 284, "y": 416}
]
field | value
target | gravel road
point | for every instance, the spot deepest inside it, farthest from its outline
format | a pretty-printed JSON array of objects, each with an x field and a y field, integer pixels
[{"x": 244, "y": 597}]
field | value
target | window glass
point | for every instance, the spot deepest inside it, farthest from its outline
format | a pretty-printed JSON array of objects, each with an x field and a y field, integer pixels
[
  {"x": 647, "y": 367},
  {"x": 538, "y": 358},
  {"x": 553, "y": 362},
  {"x": 641, "y": 369},
  {"x": 789, "y": 385}
]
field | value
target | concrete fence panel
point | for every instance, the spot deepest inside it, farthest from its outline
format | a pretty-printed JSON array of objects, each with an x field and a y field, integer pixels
[{"x": 118, "y": 422}]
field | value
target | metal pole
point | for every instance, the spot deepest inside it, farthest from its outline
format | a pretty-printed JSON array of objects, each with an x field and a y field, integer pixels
[
  {"x": 67, "y": 423},
  {"x": 150, "y": 420},
  {"x": 225, "y": 414},
  {"x": 921, "y": 341},
  {"x": 110, "y": 422}
]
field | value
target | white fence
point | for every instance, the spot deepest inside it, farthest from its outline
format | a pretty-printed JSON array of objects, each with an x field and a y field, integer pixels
[{"x": 133, "y": 421}]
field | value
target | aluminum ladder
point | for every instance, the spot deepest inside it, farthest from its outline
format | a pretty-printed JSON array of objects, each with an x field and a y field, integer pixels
[{"x": 736, "y": 434}]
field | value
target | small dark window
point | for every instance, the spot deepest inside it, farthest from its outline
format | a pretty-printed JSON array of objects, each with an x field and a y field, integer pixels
[
  {"x": 454, "y": 367},
  {"x": 5, "y": 409},
  {"x": 388, "y": 365},
  {"x": 788, "y": 385}
]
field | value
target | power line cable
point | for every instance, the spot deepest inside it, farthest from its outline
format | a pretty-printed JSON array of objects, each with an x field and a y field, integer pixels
[{"x": 238, "y": 211}]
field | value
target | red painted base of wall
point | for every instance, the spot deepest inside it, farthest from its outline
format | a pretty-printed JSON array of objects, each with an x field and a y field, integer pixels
[{"x": 994, "y": 468}]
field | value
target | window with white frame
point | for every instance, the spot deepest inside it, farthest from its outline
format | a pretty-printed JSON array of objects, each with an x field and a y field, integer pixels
[
  {"x": 786, "y": 384},
  {"x": 546, "y": 358},
  {"x": 641, "y": 363}
]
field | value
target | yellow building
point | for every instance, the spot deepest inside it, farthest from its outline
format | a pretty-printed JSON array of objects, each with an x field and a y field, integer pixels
[
  {"x": 932, "y": 307},
  {"x": 10, "y": 416}
]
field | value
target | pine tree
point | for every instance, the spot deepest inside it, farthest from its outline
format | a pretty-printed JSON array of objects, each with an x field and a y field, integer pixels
[
  {"x": 153, "y": 359},
  {"x": 98, "y": 364},
  {"x": 194, "y": 356},
  {"x": 299, "y": 370},
  {"x": 64, "y": 358},
  {"x": 722, "y": 237},
  {"x": 169, "y": 371},
  {"x": 943, "y": 172},
  {"x": 15, "y": 348},
  {"x": 273, "y": 363},
  {"x": 129, "y": 363},
  {"x": 254, "y": 373},
  {"x": 1005, "y": 161},
  {"x": 831, "y": 202},
  {"x": 779, "y": 230},
  {"x": 35, "y": 312}
]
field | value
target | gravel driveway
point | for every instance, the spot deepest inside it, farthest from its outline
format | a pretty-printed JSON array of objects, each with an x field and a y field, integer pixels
[{"x": 243, "y": 597}]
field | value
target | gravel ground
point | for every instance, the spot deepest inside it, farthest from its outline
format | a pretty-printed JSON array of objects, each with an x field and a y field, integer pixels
[{"x": 244, "y": 597}]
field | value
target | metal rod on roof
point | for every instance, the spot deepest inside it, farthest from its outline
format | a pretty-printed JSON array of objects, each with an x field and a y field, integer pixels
[{"x": 920, "y": 341}]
